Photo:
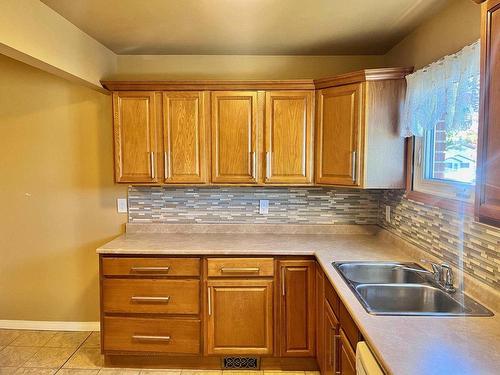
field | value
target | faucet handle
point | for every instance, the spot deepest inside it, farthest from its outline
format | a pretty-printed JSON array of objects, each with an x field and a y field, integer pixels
[
  {"x": 447, "y": 277},
  {"x": 437, "y": 269}
]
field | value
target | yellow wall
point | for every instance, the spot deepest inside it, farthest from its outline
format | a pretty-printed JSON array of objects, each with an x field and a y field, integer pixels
[
  {"x": 447, "y": 32},
  {"x": 239, "y": 66},
  {"x": 57, "y": 195}
]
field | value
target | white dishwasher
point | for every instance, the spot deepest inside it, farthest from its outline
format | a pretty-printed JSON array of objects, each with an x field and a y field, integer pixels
[{"x": 366, "y": 364}]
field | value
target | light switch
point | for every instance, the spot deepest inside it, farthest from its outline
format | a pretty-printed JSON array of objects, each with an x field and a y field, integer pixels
[
  {"x": 263, "y": 206},
  {"x": 121, "y": 204}
]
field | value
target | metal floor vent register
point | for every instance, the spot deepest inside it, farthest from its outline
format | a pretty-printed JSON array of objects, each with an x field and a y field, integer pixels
[{"x": 241, "y": 363}]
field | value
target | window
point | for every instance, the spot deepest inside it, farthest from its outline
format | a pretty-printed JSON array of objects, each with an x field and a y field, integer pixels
[{"x": 441, "y": 113}]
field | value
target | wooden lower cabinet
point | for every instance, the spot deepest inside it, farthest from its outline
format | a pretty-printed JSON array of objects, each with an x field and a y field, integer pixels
[
  {"x": 186, "y": 312},
  {"x": 297, "y": 309},
  {"x": 240, "y": 317}
]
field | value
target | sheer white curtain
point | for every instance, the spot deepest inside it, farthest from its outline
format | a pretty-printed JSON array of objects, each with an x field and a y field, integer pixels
[{"x": 446, "y": 90}]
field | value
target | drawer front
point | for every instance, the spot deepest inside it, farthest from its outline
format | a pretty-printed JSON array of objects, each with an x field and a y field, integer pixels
[
  {"x": 178, "y": 336},
  {"x": 150, "y": 266},
  {"x": 151, "y": 296},
  {"x": 332, "y": 297},
  {"x": 349, "y": 327},
  {"x": 248, "y": 267}
]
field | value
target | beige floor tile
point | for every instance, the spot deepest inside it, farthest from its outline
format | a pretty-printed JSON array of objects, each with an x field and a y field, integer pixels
[
  {"x": 50, "y": 357},
  {"x": 13, "y": 356},
  {"x": 8, "y": 370},
  {"x": 86, "y": 358},
  {"x": 93, "y": 341},
  {"x": 35, "y": 371},
  {"x": 68, "y": 371},
  {"x": 33, "y": 338},
  {"x": 67, "y": 339},
  {"x": 119, "y": 371},
  {"x": 1, "y": 347},
  {"x": 8, "y": 335}
]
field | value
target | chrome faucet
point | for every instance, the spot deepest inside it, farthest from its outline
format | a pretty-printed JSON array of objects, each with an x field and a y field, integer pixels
[{"x": 442, "y": 273}]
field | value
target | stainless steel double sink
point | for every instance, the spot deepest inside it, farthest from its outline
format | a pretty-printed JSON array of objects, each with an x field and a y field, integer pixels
[{"x": 393, "y": 288}]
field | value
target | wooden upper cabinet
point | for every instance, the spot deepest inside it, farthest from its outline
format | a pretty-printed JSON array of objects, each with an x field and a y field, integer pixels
[
  {"x": 288, "y": 137},
  {"x": 297, "y": 308},
  {"x": 240, "y": 317},
  {"x": 488, "y": 176},
  {"x": 338, "y": 126},
  {"x": 135, "y": 137},
  {"x": 184, "y": 137},
  {"x": 234, "y": 119}
]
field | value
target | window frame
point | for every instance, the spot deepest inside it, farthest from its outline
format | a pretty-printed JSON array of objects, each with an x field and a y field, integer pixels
[{"x": 450, "y": 204}]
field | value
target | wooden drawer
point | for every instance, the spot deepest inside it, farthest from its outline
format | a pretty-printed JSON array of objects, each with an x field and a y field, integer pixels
[
  {"x": 332, "y": 297},
  {"x": 348, "y": 326},
  {"x": 150, "y": 266},
  {"x": 248, "y": 267},
  {"x": 151, "y": 296},
  {"x": 152, "y": 335}
]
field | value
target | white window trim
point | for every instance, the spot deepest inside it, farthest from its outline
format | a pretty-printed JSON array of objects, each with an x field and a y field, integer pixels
[{"x": 443, "y": 188}]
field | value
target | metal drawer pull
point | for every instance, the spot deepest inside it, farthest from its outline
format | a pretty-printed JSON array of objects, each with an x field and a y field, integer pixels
[
  {"x": 166, "y": 165},
  {"x": 149, "y": 269},
  {"x": 254, "y": 164},
  {"x": 152, "y": 162},
  {"x": 268, "y": 165},
  {"x": 150, "y": 299},
  {"x": 354, "y": 160},
  {"x": 335, "y": 353},
  {"x": 240, "y": 270},
  {"x": 209, "y": 300},
  {"x": 151, "y": 338}
]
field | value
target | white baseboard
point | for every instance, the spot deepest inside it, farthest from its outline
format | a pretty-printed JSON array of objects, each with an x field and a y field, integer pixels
[{"x": 49, "y": 325}]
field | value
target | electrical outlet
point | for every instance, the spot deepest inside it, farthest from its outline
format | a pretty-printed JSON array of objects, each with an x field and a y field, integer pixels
[
  {"x": 263, "y": 206},
  {"x": 121, "y": 205},
  {"x": 388, "y": 214}
]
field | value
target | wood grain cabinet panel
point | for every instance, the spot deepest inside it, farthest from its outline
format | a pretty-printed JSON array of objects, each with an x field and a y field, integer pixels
[
  {"x": 297, "y": 308},
  {"x": 331, "y": 343},
  {"x": 135, "y": 137},
  {"x": 124, "y": 266},
  {"x": 184, "y": 134},
  {"x": 173, "y": 335},
  {"x": 337, "y": 130},
  {"x": 488, "y": 177},
  {"x": 234, "y": 119},
  {"x": 240, "y": 317},
  {"x": 247, "y": 267},
  {"x": 288, "y": 137},
  {"x": 347, "y": 363},
  {"x": 151, "y": 296}
]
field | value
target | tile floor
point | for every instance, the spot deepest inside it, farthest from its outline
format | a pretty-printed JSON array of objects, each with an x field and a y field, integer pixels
[{"x": 76, "y": 353}]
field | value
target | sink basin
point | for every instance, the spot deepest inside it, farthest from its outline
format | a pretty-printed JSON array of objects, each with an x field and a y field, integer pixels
[
  {"x": 380, "y": 273},
  {"x": 392, "y": 288},
  {"x": 408, "y": 299}
]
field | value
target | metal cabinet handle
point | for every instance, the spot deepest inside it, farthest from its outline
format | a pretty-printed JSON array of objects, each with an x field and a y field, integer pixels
[
  {"x": 336, "y": 362},
  {"x": 152, "y": 163},
  {"x": 254, "y": 163},
  {"x": 283, "y": 281},
  {"x": 354, "y": 166},
  {"x": 240, "y": 270},
  {"x": 268, "y": 165},
  {"x": 209, "y": 300},
  {"x": 150, "y": 269},
  {"x": 151, "y": 338},
  {"x": 166, "y": 164},
  {"x": 150, "y": 299}
]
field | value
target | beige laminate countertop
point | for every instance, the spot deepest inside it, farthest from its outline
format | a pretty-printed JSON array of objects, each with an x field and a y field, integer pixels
[{"x": 403, "y": 345}]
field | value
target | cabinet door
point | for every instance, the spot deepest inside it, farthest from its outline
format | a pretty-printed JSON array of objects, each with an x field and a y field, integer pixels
[
  {"x": 488, "y": 178},
  {"x": 184, "y": 159},
  {"x": 288, "y": 134},
  {"x": 347, "y": 356},
  {"x": 240, "y": 317},
  {"x": 234, "y": 137},
  {"x": 338, "y": 135},
  {"x": 297, "y": 308},
  {"x": 331, "y": 344},
  {"x": 320, "y": 319},
  {"x": 135, "y": 135}
]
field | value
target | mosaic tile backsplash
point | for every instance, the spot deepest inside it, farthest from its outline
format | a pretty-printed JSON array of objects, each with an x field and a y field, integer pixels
[
  {"x": 240, "y": 205},
  {"x": 454, "y": 238}
]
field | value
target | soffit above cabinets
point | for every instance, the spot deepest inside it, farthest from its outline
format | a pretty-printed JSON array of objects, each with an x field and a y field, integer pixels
[{"x": 239, "y": 27}]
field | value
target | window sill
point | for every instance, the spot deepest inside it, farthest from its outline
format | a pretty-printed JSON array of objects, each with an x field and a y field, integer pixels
[{"x": 453, "y": 205}]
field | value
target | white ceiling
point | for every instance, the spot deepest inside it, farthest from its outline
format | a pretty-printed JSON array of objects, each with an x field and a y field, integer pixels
[{"x": 256, "y": 27}]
